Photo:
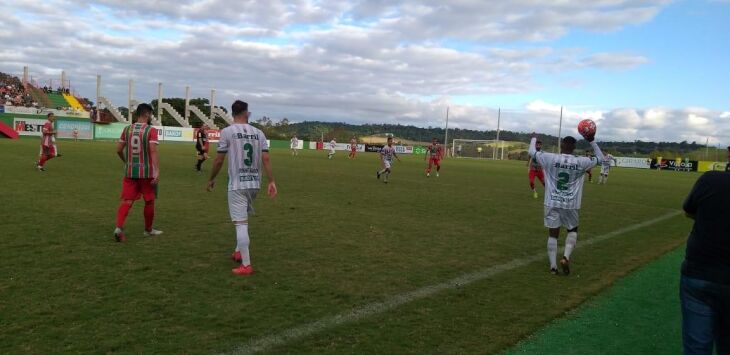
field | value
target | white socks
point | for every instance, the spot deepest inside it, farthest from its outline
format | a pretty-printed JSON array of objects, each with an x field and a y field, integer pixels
[
  {"x": 552, "y": 247},
  {"x": 570, "y": 242},
  {"x": 242, "y": 243}
]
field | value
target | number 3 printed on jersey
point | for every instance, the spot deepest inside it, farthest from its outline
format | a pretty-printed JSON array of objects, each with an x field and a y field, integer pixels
[
  {"x": 563, "y": 179},
  {"x": 248, "y": 152}
]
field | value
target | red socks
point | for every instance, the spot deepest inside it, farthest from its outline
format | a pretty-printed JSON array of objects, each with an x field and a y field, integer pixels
[
  {"x": 149, "y": 215},
  {"x": 122, "y": 213}
]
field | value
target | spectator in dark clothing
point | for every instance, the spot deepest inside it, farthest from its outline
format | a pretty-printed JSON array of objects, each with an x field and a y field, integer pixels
[{"x": 705, "y": 282}]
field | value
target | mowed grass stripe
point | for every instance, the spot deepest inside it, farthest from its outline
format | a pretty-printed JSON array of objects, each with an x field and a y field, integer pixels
[
  {"x": 266, "y": 343},
  {"x": 640, "y": 314}
]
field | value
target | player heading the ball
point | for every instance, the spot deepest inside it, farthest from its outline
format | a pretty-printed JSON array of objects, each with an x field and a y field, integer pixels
[{"x": 564, "y": 175}]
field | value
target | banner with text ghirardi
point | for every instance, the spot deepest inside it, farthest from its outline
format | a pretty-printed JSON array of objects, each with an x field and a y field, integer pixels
[
  {"x": 109, "y": 131},
  {"x": 28, "y": 126},
  {"x": 66, "y": 129},
  {"x": 628, "y": 162}
]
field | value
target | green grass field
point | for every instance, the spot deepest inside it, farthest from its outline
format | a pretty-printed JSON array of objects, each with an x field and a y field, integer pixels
[{"x": 334, "y": 240}]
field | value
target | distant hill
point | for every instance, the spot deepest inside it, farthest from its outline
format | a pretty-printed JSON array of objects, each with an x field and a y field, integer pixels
[{"x": 374, "y": 133}]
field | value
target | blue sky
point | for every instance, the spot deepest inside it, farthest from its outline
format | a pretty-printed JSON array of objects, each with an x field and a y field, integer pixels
[{"x": 643, "y": 69}]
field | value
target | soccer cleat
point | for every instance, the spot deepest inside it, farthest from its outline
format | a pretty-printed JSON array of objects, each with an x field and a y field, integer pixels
[
  {"x": 40, "y": 168},
  {"x": 236, "y": 256},
  {"x": 437, "y": 174},
  {"x": 119, "y": 235},
  {"x": 243, "y": 270},
  {"x": 534, "y": 194},
  {"x": 565, "y": 265},
  {"x": 428, "y": 174},
  {"x": 554, "y": 271},
  {"x": 152, "y": 233},
  {"x": 377, "y": 173}
]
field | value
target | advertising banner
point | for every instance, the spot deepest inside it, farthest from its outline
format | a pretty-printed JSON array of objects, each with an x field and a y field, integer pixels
[
  {"x": 178, "y": 134},
  {"x": 66, "y": 129},
  {"x": 626, "y": 162},
  {"x": 2, "y": 109},
  {"x": 109, "y": 131},
  {"x": 703, "y": 166},
  {"x": 404, "y": 149},
  {"x": 672, "y": 164},
  {"x": 214, "y": 135},
  {"x": 419, "y": 150},
  {"x": 29, "y": 126},
  {"x": 373, "y": 147}
]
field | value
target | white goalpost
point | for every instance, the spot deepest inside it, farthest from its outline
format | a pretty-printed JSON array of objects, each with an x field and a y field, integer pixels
[{"x": 479, "y": 149}]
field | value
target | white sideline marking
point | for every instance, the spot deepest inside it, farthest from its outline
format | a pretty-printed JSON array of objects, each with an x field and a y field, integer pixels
[{"x": 301, "y": 331}]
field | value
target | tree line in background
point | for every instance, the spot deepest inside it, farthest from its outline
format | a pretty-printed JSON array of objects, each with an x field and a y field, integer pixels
[{"x": 283, "y": 129}]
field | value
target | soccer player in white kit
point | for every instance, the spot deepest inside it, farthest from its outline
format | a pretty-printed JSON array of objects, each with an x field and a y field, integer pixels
[
  {"x": 564, "y": 175},
  {"x": 605, "y": 167},
  {"x": 333, "y": 144},
  {"x": 387, "y": 154},
  {"x": 294, "y": 145},
  {"x": 248, "y": 153}
]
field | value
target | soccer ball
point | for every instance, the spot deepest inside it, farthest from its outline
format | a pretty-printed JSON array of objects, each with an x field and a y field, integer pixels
[{"x": 587, "y": 128}]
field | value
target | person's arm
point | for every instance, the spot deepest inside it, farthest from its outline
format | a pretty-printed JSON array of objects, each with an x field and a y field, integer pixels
[
  {"x": 120, "y": 151},
  {"x": 269, "y": 174},
  {"x": 217, "y": 165},
  {"x": 528, "y": 163},
  {"x": 154, "y": 159},
  {"x": 691, "y": 203},
  {"x": 532, "y": 150},
  {"x": 396, "y": 156},
  {"x": 596, "y": 150}
]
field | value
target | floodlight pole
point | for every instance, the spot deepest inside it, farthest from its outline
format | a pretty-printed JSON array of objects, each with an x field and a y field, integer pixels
[
  {"x": 499, "y": 122},
  {"x": 707, "y": 147},
  {"x": 98, "y": 95},
  {"x": 187, "y": 104},
  {"x": 159, "y": 102},
  {"x": 129, "y": 105},
  {"x": 212, "y": 103},
  {"x": 560, "y": 128},
  {"x": 446, "y": 135}
]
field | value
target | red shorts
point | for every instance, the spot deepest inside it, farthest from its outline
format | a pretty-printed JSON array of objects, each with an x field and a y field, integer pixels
[
  {"x": 48, "y": 150},
  {"x": 133, "y": 189},
  {"x": 434, "y": 161},
  {"x": 537, "y": 174}
]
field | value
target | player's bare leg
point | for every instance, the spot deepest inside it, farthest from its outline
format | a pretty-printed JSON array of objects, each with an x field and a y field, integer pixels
[
  {"x": 438, "y": 168},
  {"x": 122, "y": 213},
  {"x": 532, "y": 186},
  {"x": 552, "y": 249},
  {"x": 428, "y": 170},
  {"x": 570, "y": 241},
  {"x": 242, "y": 253}
]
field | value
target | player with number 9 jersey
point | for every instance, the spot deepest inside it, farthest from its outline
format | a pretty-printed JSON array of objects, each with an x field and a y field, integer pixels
[
  {"x": 137, "y": 148},
  {"x": 137, "y": 138}
]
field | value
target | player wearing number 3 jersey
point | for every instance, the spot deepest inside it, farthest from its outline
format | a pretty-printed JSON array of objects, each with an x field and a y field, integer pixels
[
  {"x": 137, "y": 148},
  {"x": 563, "y": 192},
  {"x": 247, "y": 152}
]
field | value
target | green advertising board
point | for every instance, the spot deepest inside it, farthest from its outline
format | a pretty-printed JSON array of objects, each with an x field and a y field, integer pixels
[{"x": 108, "y": 131}]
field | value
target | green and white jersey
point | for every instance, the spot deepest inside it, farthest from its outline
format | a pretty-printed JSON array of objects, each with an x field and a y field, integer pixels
[
  {"x": 564, "y": 177},
  {"x": 244, "y": 145}
]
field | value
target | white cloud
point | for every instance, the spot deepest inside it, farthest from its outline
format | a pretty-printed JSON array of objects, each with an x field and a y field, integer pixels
[{"x": 361, "y": 61}]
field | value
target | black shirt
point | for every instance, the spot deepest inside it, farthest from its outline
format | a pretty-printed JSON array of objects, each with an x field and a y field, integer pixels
[
  {"x": 708, "y": 246},
  {"x": 200, "y": 140}
]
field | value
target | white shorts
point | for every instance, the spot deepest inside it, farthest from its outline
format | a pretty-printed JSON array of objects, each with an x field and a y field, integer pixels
[
  {"x": 604, "y": 170},
  {"x": 557, "y": 217},
  {"x": 386, "y": 164},
  {"x": 332, "y": 151},
  {"x": 240, "y": 203}
]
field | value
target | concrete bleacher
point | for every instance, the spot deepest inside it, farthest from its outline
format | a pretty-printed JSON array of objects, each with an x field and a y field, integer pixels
[{"x": 57, "y": 100}]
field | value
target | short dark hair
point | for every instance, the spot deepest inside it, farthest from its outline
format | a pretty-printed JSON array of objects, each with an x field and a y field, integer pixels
[
  {"x": 539, "y": 141},
  {"x": 728, "y": 148},
  {"x": 569, "y": 140},
  {"x": 238, "y": 108},
  {"x": 51, "y": 114},
  {"x": 143, "y": 109}
]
